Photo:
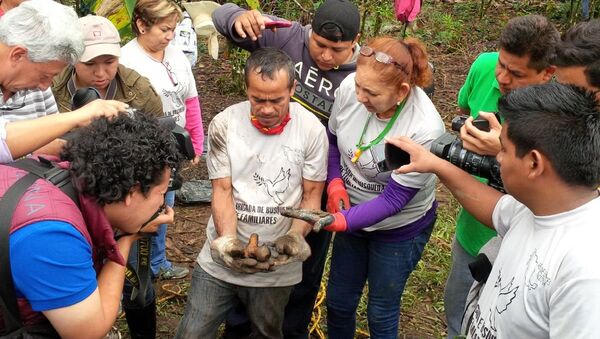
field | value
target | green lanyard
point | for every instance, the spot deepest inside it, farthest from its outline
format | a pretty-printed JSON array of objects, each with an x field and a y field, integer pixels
[{"x": 360, "y": 147}]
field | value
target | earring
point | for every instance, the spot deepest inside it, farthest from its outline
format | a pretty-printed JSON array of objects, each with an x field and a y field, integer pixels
[
  {"x": 398, "y": 103},
  {"x": 143, "y": 31}
]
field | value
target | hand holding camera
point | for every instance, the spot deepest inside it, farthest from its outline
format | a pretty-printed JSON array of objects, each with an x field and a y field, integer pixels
[
  {"x": 450, "y": 148},
  {"x": 165, "y": 215},
  {"x": 415, "y": 157},
  {"x": 483, "y": 141}
]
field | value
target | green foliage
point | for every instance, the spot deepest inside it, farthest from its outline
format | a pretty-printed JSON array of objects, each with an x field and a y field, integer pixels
[
  {"x": 374, "y": 15},
  {"x": 235, "y": 84},
  {"x": 253, "y": 4},
  {"x": 446, "y": 31}
]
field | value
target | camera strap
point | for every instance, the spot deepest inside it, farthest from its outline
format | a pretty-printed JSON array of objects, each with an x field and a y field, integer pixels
[
  {"x": 361, "y": 146},
  {"x": 139, "y": 277}
]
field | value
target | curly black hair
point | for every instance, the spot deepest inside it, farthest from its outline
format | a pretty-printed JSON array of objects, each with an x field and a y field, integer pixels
[{"x": 109, "y": 157}]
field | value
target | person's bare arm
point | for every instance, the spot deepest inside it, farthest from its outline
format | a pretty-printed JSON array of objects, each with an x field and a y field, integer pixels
[
  {"x": 476, "y": 197},
  {"x": 311, "y": 199},
  {"x": 223, "y": 210},
  {"x": 24, "y": 137},
  {"x": 94, "y": 316},
  {"x": 52, "y": 148}
]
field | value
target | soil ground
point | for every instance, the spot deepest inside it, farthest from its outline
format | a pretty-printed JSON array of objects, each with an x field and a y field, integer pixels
[{"x": 187, "y": 236}]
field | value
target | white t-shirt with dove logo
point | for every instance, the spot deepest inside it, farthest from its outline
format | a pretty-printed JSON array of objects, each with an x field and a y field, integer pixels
[
  {"x": 545, "y": 282},
  {"x": 266, "y": 173}
]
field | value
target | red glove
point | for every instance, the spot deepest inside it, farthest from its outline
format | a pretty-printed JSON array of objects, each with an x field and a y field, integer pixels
[
  {"x": 338, "y": 224},
  {"x": 337, "y": 196},
  {"x": 319, "y": 220}
]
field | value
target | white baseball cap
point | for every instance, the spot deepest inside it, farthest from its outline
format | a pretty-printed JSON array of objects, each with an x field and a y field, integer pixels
[{"x": 100, "y": 37}]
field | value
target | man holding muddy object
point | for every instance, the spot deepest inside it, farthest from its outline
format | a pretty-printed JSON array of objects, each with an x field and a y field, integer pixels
[
  {"x": 324, "y": 53},
  {"x": 264, "y": 153}
]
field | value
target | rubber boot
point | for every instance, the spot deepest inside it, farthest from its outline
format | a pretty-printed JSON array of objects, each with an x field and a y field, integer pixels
[{"x": 141, "y": 321}]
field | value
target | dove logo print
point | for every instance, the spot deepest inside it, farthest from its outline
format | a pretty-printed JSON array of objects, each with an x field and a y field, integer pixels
[
  {"x": 481, "y": 327},
  {"x": 275, "y": 187},
  {"x": 537, "y": 274}
]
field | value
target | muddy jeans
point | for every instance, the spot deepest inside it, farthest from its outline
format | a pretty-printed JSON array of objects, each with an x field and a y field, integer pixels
[{"x": 211, "y": 299}]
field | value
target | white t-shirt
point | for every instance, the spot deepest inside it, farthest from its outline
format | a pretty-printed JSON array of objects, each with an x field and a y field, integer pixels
[
  {"x": 266, "y": 173},
  {"x": 545, "y": 282},
  {"x": 172, "y": 78},
  {"x": 419, "y": 120}
]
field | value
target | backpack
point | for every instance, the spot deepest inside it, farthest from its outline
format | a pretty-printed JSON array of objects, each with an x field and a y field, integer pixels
[
  {"x": 9, "y": 310},
  {"x": 45, "y": 169},
  {"x": 61, "y": 178}
]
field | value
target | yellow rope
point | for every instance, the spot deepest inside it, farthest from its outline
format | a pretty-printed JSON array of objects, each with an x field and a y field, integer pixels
[
  {"x": 315, "y": 321},
  {"x": 173, "y": 290}
]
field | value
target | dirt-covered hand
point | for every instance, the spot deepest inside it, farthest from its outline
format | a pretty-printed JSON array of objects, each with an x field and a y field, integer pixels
[
  {"x": 228, "y": 251},
  {"x": 290, "y": 248},
  {"x": 317, "y": 218}
]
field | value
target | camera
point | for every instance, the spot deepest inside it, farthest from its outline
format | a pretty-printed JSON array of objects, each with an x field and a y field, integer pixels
[
  {"x": 459, "y": 121},
  {"x": 181, "y": 137},
  {"x": 449, "y": 147}
]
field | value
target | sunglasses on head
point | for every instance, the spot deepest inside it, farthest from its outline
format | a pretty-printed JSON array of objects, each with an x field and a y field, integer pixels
[{"x": 380, "y": 57}]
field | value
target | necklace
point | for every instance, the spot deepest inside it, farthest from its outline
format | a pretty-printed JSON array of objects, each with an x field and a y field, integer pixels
[{"x": 361, "y": 146}]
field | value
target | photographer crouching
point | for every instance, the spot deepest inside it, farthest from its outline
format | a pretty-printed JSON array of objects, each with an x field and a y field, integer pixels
[{"x": 66, "y": 263}]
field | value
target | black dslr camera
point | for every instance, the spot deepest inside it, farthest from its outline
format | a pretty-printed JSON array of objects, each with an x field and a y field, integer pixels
[
  {"x": 181, "y": 137},
  {"x": 449, "y": 147}
]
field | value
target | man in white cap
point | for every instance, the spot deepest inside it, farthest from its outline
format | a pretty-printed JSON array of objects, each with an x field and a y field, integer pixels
[
  {"x": 324, "y": 53},
  {"x": 99, "y": 68}
]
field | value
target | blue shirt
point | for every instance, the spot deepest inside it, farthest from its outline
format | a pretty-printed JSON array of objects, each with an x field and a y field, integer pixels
[{"x": 52, "y": 265}]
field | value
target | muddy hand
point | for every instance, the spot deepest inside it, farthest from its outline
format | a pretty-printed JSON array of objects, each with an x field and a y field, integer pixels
[
  {"x": 253, "y": 250},
  {"x": 287, "y": 249},
  {"x": 317, "y": 218},
  {"x": 249, "y": 265},
  {"x": 229, "y": 252}
]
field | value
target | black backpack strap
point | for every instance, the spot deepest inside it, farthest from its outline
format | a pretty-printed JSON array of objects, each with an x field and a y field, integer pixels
[
  {"x": 44, "y": 168},
  {"x": 8, "y": 204}
]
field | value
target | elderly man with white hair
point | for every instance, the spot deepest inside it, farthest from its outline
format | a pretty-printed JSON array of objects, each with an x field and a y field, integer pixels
[{"x": 37, "y": 40}]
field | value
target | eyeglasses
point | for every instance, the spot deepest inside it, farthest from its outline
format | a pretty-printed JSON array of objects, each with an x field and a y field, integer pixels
[
  {"x": 13, "y": 106},
  {"x": 381, "y": 57},
  {"x": 170, "y": 72}
]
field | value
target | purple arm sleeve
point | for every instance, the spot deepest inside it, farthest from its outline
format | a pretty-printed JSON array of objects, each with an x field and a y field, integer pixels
[
  {"x": 333, "y": 164},
  {"x": 393, "y": 198}
]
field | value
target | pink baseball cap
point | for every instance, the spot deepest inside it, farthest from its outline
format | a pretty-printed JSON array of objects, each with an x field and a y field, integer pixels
[{"x": 100, "y": 37}]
